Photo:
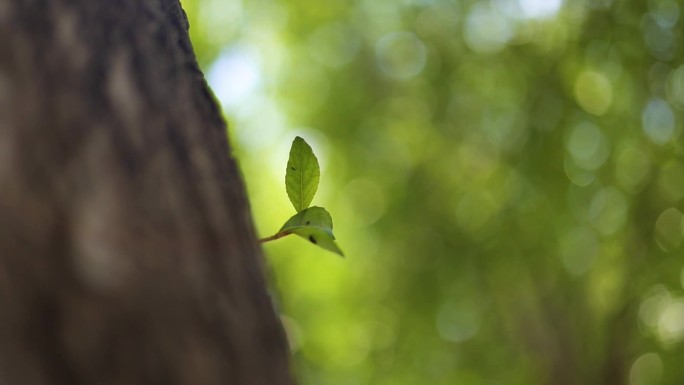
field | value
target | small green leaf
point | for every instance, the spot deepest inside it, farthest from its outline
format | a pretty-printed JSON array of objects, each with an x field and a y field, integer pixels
[
  {"x": 315, "y": 225},
  {"x": 313, "y": 216},
  {"x": 319, "y": 237},
  {"x": 303, "y": 174}
]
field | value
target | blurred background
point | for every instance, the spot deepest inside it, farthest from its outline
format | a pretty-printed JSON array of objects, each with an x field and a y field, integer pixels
[{"x": 506, "y": 179}]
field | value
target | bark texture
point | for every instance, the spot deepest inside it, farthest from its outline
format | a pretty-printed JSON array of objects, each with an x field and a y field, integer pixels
[{"x": 127, "y": 251}]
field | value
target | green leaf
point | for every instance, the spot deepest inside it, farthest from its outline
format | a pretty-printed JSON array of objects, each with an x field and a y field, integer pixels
[
  {"x": 313, "y": 216},
  {"x": 319, "y": 237},
  {"x": 303, "y": 174},
  {"x": 315, "y": 225}
]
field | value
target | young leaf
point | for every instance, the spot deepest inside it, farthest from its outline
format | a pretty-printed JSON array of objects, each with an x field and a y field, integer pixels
[
  {"x": 313, "y": 216},
  {"x": 302, "y": 175},
  {"x": 319, "y": 237},
  {"x": 315, "y": 225}
]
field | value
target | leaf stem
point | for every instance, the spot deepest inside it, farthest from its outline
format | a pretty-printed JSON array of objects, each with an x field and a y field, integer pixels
[{"x": 274, "y": 237}]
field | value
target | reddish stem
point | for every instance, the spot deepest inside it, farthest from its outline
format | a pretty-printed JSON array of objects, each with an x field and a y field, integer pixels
[{"x": 274, "y": 237}]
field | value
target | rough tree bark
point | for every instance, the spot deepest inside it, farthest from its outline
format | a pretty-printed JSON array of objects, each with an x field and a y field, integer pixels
[{"x": 127, "y": 252}]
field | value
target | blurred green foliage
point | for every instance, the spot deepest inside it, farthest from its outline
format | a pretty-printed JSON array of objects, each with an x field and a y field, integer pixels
[{"x": 507, "y": 179}]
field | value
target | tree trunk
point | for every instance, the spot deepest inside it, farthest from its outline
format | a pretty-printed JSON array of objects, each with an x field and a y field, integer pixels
[{"x": 127, "y": 251}]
